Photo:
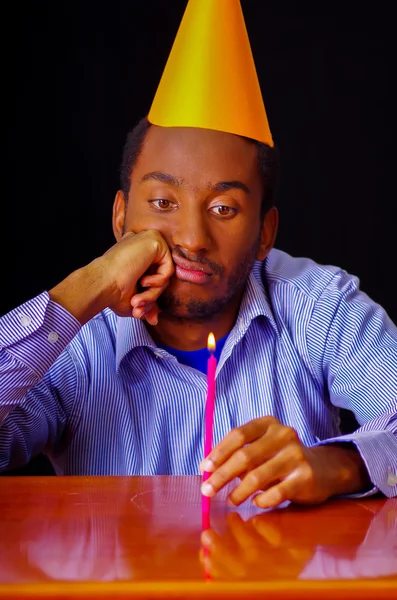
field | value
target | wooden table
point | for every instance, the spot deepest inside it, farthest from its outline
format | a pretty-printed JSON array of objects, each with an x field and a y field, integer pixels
[{"x": 139, "y": 537}]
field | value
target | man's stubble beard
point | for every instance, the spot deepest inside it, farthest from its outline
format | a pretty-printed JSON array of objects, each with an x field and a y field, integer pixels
[{"x": 198, "y": 310}]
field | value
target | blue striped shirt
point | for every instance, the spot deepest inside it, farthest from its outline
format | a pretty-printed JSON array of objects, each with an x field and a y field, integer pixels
[{"x": 104, "y": 399}]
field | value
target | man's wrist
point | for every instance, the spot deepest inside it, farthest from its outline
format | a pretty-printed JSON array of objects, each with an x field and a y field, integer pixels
[
  {"x": 345, "y": 469},
  {"x": 85, "y": 292}
]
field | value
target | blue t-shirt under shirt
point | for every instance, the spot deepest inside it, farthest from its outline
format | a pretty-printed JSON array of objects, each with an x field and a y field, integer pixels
[{"x": 196, "y": 358}]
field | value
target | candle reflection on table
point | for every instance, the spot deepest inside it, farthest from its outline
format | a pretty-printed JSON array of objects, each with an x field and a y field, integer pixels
[{"x": 205, "y": 525}]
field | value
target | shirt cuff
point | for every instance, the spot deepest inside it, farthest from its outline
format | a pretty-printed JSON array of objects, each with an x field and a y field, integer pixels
[
  {"x": 37, "y": 332},
  {"x": 378, "y": 449}
]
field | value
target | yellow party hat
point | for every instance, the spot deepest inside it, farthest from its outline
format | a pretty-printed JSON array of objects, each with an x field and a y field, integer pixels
[{"x": 210, "y": 79}]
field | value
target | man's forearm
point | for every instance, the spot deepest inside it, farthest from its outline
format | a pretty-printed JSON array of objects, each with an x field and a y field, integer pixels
[{"x": 83, "y": 293}]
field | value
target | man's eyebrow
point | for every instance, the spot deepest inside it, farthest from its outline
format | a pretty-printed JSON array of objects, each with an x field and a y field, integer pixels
[
  {"x": 223, "y": 186},
  {"x": 163, "y": 178}
]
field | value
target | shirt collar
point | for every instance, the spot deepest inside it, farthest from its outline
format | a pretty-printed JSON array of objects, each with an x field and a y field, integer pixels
[
  {"x": 255, "y": 302},
  {"x": 132, "y": 333}
]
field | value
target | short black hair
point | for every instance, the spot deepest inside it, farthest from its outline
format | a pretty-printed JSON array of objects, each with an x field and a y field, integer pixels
[{"x": 268, "y": 162}]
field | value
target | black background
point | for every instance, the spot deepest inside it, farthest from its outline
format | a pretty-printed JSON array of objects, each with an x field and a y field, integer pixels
[{"x": 77, "y": 76}]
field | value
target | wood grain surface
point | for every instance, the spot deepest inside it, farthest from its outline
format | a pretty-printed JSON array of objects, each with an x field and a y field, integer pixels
[{"x": 139, "y": 537}]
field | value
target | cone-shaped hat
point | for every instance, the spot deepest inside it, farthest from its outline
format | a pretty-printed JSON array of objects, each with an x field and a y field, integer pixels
[{"x": 210, "y": 78}]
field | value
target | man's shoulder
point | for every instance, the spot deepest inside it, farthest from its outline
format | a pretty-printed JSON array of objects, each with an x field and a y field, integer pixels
[{"x": 299, "y": 274}]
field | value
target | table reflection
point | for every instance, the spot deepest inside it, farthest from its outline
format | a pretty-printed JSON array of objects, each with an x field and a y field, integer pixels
[
  {"x": 104, "y": 529},
  {"x": 324, "y": 546},
  {"x": 149, "y": 528}
]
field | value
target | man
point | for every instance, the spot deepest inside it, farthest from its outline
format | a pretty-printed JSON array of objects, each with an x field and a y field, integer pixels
[{"x": 104, "y": 392}]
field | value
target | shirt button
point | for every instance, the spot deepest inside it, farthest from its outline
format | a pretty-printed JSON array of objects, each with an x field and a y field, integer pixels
[
  {"x": 392, "y": 478},
  {"x": 25, "y": 320},
  {"x": 53, "y": 337},
  {"x": 157, "y": 354}
]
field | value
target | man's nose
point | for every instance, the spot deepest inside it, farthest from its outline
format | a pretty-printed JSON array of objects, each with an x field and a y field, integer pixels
[{"x": 192, "y": 230}]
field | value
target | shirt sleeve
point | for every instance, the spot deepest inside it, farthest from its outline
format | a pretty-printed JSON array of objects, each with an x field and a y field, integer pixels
[
  {"x": 34, "y": 368},
  {"x": 353, "y": 346}
]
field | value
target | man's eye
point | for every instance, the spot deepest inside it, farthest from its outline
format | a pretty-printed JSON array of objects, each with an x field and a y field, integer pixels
[
  {"x": 223, "y": 211},
  {"x": 162, "y": 204}
]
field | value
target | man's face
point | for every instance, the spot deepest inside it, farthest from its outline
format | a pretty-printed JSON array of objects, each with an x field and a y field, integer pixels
[{"x": 202, "y": 191}]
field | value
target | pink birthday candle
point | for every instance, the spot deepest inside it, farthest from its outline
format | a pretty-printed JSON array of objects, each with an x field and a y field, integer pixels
[{"x": 209, "y": 415}]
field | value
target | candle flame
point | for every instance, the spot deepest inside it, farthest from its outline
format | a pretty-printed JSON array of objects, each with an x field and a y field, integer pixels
[{"x": 211, "y": 345}]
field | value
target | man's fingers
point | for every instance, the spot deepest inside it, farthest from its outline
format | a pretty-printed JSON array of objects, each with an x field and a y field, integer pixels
[
  {"x": 155, "y": 280},
  {"x": 152, "y": 315},
  {"x": 154, "y": 286},
  {"x": 296, "y": 487},
  {"x": 243, "y": 459},
  {"x": 275, "y": 495},
  {"x": 266, "y": 475},
  {"x": 235, "y": 439},
  {"x": 166, "y": 268},
  {"x": 143, "y": 299},
  {"x": 149, "y": 312},
  {"x": 256, "y": 460}
]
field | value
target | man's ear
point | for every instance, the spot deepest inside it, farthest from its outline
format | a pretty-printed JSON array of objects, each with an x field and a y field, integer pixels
[
  {"x": 268, "y": 233},
  {"x": 119, "y": 208}
]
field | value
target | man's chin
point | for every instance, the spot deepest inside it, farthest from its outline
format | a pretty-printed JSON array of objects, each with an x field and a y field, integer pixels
[{"x": 175, "y": 306}]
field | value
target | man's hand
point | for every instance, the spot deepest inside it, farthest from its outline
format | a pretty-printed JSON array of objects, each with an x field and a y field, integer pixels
[
  {"x": 127, "y": 263},
  {"x": 273, "y": 463},
  {"x": 112, "y": 279}
]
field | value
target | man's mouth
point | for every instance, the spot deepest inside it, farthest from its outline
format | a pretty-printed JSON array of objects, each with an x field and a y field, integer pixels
[{"x": 191, "y": 271}]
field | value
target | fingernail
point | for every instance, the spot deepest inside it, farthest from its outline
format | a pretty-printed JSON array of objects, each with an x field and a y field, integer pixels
[
  {"x": 139, "y": 305},
  {"x": 207, "y": 490},
  {"x": 207, "y": 465},
  {"x": 205, "y": 539}
]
